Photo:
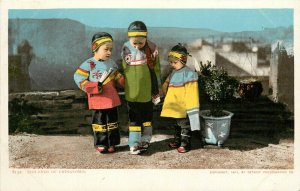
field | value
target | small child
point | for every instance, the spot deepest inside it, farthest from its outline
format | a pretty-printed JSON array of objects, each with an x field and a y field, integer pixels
[
  {"x": 96, "y": 77},
  {"x": 182, "y": 99},
  {"x": 142, "y": 73}
]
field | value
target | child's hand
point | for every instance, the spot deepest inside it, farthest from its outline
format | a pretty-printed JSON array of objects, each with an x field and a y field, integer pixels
[
  {"x": 100, "y": 85},
  {"x": 156, "y": 99}
]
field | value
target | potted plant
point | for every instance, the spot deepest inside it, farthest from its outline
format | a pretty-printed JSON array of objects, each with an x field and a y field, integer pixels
[{"x": 217, "y": 87}]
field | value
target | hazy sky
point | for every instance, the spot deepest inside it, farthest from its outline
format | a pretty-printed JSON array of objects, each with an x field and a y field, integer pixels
[{"x": 227, "y": 20}]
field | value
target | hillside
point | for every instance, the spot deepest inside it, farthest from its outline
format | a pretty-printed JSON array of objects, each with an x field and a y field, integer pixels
[{"x": 61, "y": 45}]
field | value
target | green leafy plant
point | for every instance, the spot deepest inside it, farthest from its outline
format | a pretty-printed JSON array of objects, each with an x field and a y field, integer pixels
[{"x": 217, "y": 86}]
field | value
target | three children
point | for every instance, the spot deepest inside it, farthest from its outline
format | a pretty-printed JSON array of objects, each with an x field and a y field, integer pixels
[{"x": 141, "y": 80}]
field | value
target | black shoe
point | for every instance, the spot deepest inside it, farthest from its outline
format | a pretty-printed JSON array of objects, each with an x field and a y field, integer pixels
[
  {"x": 145, "y": 145},
  {"x": 174, "y": 145}
]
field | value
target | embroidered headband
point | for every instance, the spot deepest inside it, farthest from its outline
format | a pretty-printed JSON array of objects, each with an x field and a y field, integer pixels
[
  {"x": 177, "y": 55},
  {"x": 99, "y": 41}
]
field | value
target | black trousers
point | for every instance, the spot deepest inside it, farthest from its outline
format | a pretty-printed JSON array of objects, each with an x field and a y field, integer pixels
[
  {"x": 108, "y": 120},
  {"x": 140, "y": 118},
  {"x": 182, "y": 134},
  {"x": 140, "y": 112}
]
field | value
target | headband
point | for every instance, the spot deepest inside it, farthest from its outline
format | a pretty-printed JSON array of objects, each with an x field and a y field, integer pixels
[
  {"x": 132, "y": 34},
  {"x": 99, "y": 41},
  {"x": 180, "y": 56}
]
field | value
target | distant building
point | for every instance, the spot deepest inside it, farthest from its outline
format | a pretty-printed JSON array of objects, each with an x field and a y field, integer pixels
[
  {"x": 203, "y": 51},
  {"x": 239, "y": 58},
  {"x": 242, "y": 59},
  {"x": 19, "y": 79}
]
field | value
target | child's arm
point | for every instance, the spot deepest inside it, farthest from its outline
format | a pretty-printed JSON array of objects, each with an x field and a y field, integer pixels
[
  {"x": 81, "y": 78},
  {"x": 156, "y": 63},
  {"x": 119, "y": 78},
  {"x": 125, "y": 55},
  {"x": 166, "y": 85},
  {"x": 157, "y": 66}
]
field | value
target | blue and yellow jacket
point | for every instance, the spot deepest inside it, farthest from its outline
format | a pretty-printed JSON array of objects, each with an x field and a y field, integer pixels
[{"x": 182, "y": 94}]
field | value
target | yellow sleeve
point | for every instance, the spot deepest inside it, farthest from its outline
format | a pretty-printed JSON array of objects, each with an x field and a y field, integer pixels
[{"x": 192, "y": 95}]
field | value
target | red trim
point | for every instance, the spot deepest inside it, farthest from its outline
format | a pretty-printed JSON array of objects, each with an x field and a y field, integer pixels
[
  {"x": 136, "y": 64},
  {"x": 85, "y": 71},
  {"x": 82, "y": 82},
  {"x": 137, "y": 60}
]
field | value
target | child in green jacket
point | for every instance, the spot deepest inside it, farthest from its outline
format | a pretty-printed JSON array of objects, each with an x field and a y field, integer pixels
[{"x": 142, "y": 76}]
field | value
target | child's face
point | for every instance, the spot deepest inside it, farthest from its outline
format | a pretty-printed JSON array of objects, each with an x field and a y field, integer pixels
[
  {"x": 137, "y": 42},
  {"x": 175, "y": 63},
  {"x": 104, "y": 51}
]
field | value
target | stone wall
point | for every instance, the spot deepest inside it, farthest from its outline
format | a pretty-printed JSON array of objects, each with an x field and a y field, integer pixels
[
  {"x": 66, "y": 112},
  {"x": 55, "y": 112}
]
